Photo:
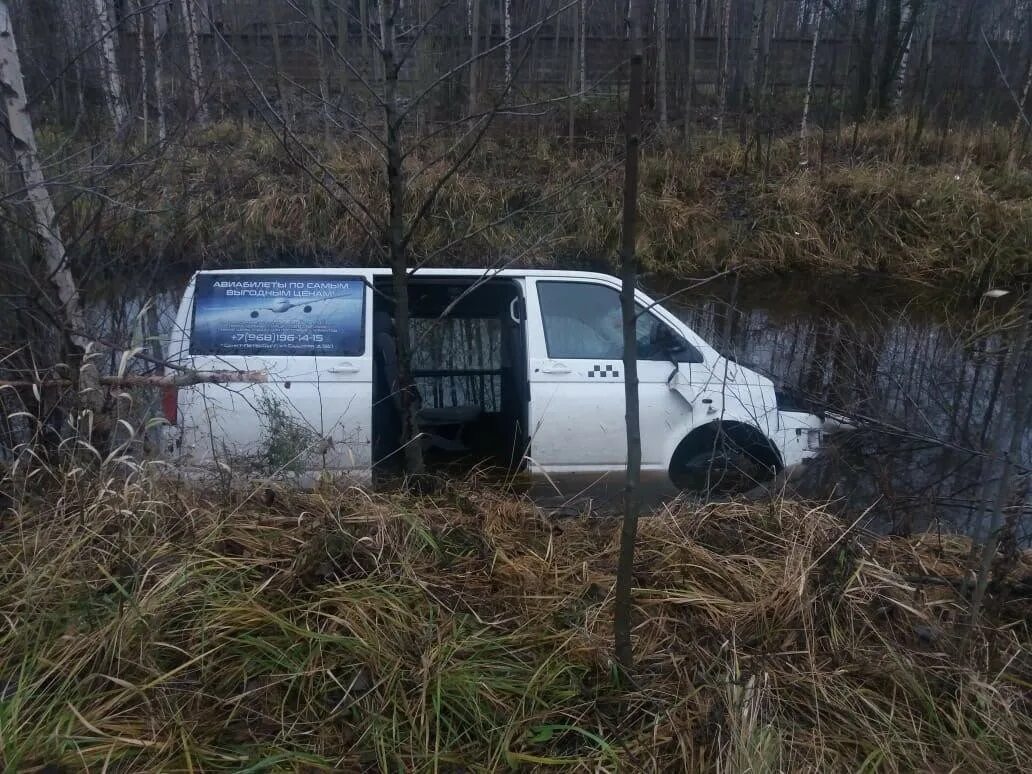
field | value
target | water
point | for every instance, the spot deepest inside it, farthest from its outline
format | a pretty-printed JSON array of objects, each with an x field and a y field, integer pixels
[{"x": 921, "y": 369}]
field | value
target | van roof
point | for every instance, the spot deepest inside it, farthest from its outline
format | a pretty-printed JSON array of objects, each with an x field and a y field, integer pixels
[{"x": 379, "y": 271}]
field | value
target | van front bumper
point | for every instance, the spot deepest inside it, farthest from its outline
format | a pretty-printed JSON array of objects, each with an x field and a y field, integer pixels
[{"x": 799, "y": 437}]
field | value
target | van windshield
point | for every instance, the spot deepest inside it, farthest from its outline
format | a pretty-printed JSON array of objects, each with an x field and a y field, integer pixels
[{"x": 276, "y": 315}]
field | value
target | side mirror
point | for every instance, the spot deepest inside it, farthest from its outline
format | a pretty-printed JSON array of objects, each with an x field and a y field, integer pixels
[
  {"x": 673, "y": 347},
  {"x": 665, "y": 341}
]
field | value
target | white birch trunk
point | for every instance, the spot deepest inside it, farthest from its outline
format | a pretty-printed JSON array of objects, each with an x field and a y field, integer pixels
[
  {"x": 109, "y": 65},
  {"x": 194, "y": 56},
  {"x": 904, "y": 62},
  {"x": 159, "y": 21},
  {"x": 23, "y": 144},
  {"x": 809, "y": 84}
]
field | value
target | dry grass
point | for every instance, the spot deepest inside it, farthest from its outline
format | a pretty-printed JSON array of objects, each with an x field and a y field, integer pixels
[
  {"x": 148, "y": 626},
  {"x": 947, "y": 209}
]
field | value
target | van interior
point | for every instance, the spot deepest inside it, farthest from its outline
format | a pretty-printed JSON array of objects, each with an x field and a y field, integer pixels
[{"x": 469, "y": 366}]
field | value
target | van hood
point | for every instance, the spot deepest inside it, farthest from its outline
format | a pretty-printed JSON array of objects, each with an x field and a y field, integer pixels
[{"x": 744, "y": 374}]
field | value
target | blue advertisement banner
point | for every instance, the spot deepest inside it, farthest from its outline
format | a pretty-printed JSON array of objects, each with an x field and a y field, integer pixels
[{"x": 274, "y": 315}]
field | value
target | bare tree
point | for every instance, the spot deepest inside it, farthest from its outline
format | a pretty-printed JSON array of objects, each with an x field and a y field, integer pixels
[
  {"x": 865, "y": 63},
  {"x": 1005, "y": 454},
  {"x": 507, "y": 32},
  {"x": 277, "y": 57},
  {"x": 582, "y": 44},
  {"x": 925, "y": 77},
  {"x": 395, "y": 235},
  {"x": 661, "y": 63},
  {"x": 629, "y": 275},
  {"x": 809, "y": 83},
  {"x": 141, "y": 58},
  {"x": 474, "y": 54},
  {"x": 194, "y": 55},
  {"x": 1021, "y": 122},
  {"x": 109, "y": 63},
  {"x": 723, "y": 75},
  {"x": 689, "y": 86},
  {"x": 159, "y": 21},
  {"x": 320, "y": 58}
]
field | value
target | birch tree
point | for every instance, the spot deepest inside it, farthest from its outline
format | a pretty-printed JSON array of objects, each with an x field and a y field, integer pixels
[
  {"x": 44, "y": 217},
  {"x": 112, "y": 77},
  {"x": 809, "y": 82},
  {"x": 910, "y": 12},
  {"x": 194, "y": 58}
]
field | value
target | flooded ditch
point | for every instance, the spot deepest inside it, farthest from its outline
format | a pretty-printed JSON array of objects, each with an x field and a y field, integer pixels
[{"x": 920, "y": 371}]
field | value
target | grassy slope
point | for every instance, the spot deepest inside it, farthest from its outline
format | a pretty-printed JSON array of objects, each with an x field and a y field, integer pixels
[
  {"x": 946, "y": 210},
  {"x": 150, "y": 627}
]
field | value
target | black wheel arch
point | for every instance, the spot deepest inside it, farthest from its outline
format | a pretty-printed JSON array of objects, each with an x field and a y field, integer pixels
[{"x": 747, "y": 437}]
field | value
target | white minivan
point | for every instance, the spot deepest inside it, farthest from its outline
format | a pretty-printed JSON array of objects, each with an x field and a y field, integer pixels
[{"x": 519, "y": 369}]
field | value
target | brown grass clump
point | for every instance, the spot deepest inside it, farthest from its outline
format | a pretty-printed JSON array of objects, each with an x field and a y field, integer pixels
[
  {"x": 154, "y": 627},
  {"x": 947, "y": 208}
]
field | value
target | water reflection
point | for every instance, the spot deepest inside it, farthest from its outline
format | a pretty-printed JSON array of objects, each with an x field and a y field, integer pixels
[{"x": 923, "y": 372}]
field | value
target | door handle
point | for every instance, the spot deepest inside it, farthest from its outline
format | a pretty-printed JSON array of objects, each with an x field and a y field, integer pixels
[
  {"x": 556, "y": 368},
  {"x": 343, "y": 368}
]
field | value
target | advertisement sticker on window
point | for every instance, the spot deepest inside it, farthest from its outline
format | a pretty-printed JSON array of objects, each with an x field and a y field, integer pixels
[{"x": 278, "y": 315}]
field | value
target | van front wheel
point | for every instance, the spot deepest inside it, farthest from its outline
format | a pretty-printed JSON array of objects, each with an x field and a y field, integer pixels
[{"x": 723, "y": 460}]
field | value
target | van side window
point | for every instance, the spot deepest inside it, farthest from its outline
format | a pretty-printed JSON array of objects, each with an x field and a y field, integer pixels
[
  {"x": 583, "y": 320},
  {"x": 278, "y": 315}
]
